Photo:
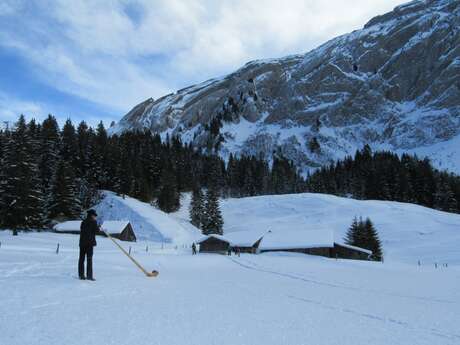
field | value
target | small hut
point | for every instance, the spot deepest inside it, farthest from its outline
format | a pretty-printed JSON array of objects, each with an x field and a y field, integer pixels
[
  {"x": 214, "y": 244},
  {"x": 118, "y": 229}
]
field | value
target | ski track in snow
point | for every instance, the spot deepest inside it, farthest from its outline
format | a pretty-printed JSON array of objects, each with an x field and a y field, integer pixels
[{"x": 253, "y": 266}]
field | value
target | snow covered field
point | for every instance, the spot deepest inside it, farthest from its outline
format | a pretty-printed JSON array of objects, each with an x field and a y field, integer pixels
[
  {"x": 264, "y": 299},
  {"x": 213, "y": 299}
]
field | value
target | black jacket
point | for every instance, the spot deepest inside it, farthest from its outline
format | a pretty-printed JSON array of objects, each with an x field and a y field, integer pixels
[{"x": 88, "y": 230}]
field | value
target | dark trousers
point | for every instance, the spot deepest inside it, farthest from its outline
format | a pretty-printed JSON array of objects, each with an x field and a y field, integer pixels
[{"x": 88, "y": 252}]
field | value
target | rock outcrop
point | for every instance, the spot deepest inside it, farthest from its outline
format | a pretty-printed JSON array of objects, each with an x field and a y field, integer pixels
[{"x": 394, "y": 84}]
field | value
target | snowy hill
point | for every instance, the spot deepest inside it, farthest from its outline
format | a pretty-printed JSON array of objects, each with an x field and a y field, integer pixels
[
  {"x": 409, "y": 232},
  {"x": 148, "y": 222},
  {"x": 393, "y": 84}
]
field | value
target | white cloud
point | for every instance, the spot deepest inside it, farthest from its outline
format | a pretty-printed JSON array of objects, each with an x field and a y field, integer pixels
[
  {"x": 11, "y": 108},
  {"x": 97, "y": 51}
]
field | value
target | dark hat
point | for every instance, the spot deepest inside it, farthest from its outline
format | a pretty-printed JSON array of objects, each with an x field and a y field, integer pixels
[{"x": 91, "y": 213}]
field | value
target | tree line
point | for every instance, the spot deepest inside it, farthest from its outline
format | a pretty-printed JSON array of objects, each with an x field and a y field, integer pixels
[
  {"x": 386, "y": 176},
  {"x": 48, "y": 174}
]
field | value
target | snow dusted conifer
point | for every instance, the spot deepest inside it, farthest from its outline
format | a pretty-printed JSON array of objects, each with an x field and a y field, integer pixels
[
  {"x": 196, "y": 210},
  {"x": 352, "y": 234},
  {"x": 4, "y": 138},
  {"x": 22, "y": 194},
  {"x": 49, "y": 154},
  {"x": 64, "y": 201},
  {"x": 444, "y": 198},
  {"x": 69, "y": 146},
  {"x": 213, "y": 221},
  {"x": 372, "y": 240}
]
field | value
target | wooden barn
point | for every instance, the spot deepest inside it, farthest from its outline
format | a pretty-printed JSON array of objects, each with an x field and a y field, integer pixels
[
  {"x": 243, "y": 241},
  {"x": 214, "y": 244},
  {"x": 313, "y": 242},
  {"x": 122, "y": 230}
]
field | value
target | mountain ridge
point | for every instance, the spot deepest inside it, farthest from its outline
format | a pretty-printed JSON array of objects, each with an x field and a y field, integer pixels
[{"x": 394, "y": 84}]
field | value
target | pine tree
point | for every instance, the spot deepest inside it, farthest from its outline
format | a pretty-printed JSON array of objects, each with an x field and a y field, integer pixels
[
  {"x": 64, "y": 200},
  {"x": 196, "y": 210},
  {"x": 69, "y": 146},
  {"x": 22, "y": 193},
  {"x": 372, "y": 240},
  {"x": 49, "y": 154},
  {"x": 213, "y": 222},
  {"x": 353, "y": 234},
  {"x": 444, "y": 198}
]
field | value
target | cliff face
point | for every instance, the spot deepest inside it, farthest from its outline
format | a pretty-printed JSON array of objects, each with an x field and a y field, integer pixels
[{"x": 394, "y": 84}]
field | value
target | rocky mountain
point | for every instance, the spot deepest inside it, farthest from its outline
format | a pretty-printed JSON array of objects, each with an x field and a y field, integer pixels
[{"x": 394, "y": 84}]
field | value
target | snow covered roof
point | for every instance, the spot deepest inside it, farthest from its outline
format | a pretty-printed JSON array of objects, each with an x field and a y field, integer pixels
[
  {"x": 286, "y": 239},
  {"x": 295, "y": 239},
  {"x": 355, "y": 248},
  {"x": 219, "y": 237},
  {"x": 114, "y": 226},
  {"x": 111, "y": 226},
  {"x": 71, "y": 225},
  {"x": 244, "y": 238},
  {"x": 237, "y": 239}
]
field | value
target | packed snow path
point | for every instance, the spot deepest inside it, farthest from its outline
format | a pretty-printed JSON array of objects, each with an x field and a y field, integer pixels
[{"x": 214, "y": 299}]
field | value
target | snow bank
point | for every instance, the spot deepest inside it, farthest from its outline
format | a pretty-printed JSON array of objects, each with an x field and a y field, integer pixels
[{"x": 148, "y": 222}]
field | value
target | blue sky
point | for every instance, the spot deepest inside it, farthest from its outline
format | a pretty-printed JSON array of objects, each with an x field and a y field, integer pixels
[{"x": 95, "y": 60}]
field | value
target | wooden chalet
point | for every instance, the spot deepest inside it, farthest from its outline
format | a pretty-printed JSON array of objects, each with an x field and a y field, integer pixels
[{"x": 214, "y": 244}]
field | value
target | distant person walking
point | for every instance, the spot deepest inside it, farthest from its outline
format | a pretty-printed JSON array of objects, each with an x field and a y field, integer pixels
[
  {"x": 193, "y": 248},
  {"x": 88, "y": 230},
  {"x": 237, "y": 251}
]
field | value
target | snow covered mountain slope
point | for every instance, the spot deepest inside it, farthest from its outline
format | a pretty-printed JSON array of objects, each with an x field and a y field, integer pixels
[
  {"x": 409, "y": 232},
  {"x": 148, "y": 222},
  {"x": 395, "y": 84}
]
